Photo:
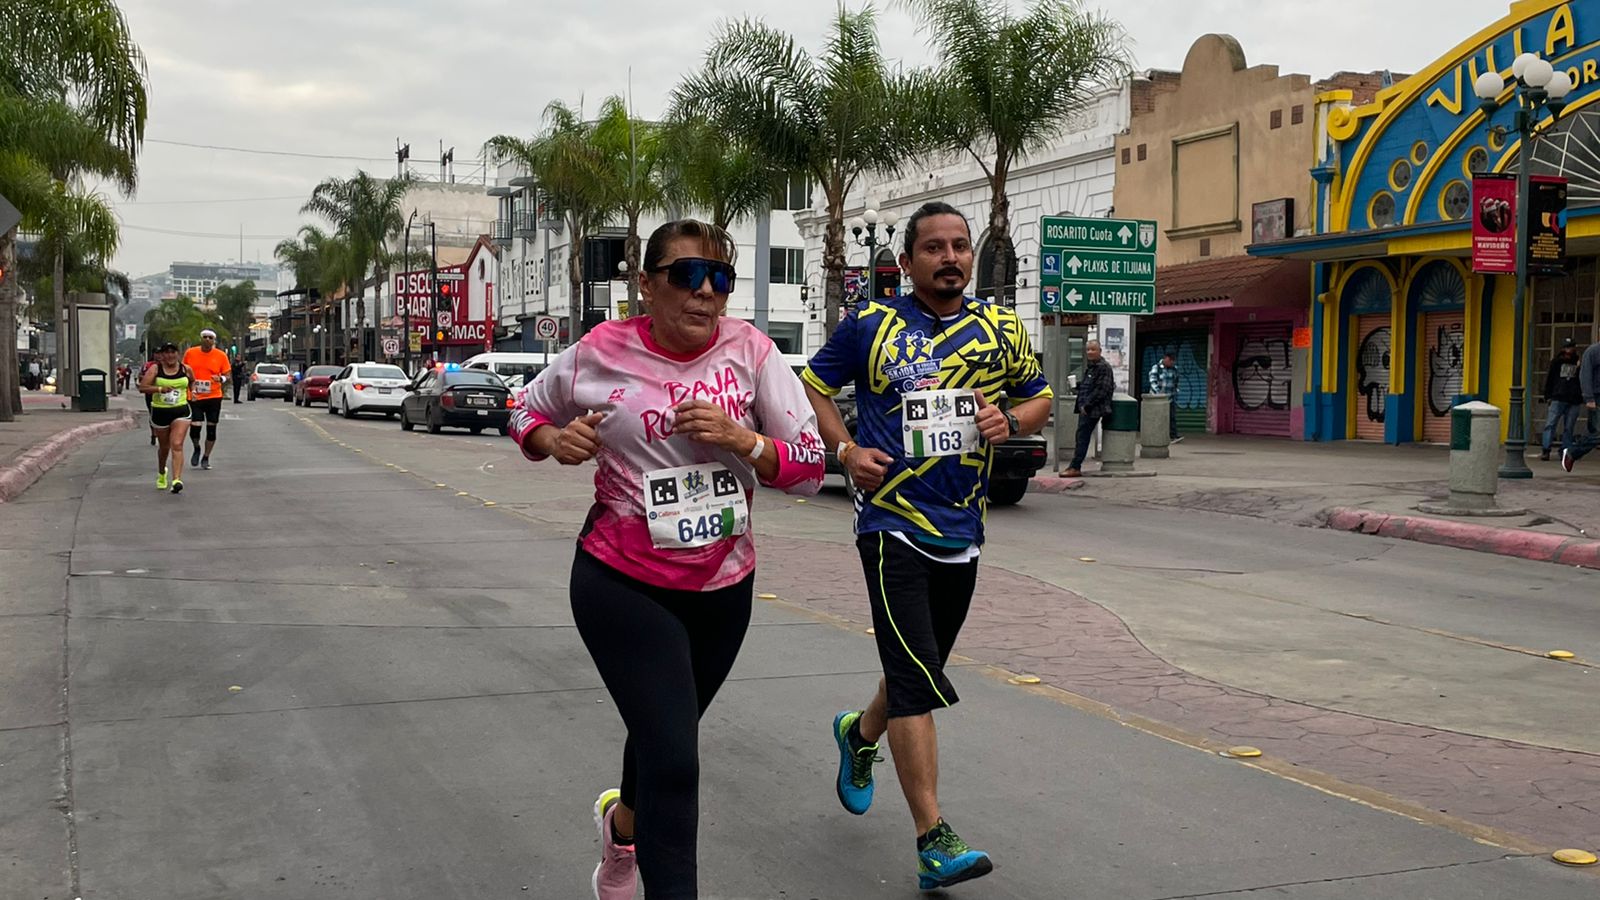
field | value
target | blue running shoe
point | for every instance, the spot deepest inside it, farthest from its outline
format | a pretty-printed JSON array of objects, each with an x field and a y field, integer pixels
[
  {"x": 943, "y": 859},
  {"x": 855, "y": 767}
]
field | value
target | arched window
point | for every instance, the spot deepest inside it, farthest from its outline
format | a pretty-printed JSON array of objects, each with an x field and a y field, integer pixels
[
  {"x": 983, "y": 278},
  {"x": 885, "y": 273}
]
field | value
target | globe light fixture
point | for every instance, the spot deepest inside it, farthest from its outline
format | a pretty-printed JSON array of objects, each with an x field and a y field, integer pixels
[
  {"x": 1559, "y": 87},
  {"x": 1538, "y": 73},
  {"x": 1519, "y": 66},
  {"x": 1488, "y": 86}
]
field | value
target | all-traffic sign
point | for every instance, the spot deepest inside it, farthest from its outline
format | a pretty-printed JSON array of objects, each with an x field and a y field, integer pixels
[
  {"x": 546, "y": 328},
  {"x": 1097, "y": 265}
]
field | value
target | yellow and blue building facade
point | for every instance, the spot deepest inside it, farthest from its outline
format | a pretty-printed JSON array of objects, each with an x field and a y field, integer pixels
[{"x": 1401, "y": 327}]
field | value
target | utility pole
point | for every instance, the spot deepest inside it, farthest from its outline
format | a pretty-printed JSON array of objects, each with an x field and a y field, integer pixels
[
  {"x": 433, "y": 288},
  {"x": 401, "y": 154},
  {"x": 404, "y": 306}
]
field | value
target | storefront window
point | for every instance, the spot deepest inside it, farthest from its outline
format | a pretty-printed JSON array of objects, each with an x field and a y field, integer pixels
[{"x": 1563, "y": 308}]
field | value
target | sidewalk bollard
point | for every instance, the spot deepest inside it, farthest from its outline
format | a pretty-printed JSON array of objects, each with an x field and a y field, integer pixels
[
  {"x": 1474, "y": 463},
  {"x": 1155, "y": 427},
  {"x": 1119, "y": 440}
]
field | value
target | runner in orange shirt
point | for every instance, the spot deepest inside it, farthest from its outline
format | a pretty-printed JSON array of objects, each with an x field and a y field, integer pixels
[{"x": 211, "y": 369}]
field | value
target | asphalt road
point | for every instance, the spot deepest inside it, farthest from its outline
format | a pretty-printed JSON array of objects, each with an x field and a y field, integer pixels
[{"x": 415, "y": 716}]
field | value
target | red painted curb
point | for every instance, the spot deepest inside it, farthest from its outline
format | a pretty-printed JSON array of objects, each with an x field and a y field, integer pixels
[
  {"x": 38, "y": 459},
  {"x": 1534, "y": 545}
]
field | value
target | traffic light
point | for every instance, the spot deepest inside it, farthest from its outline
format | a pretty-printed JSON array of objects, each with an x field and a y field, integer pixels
[
  {"x": 446, "y": 296},
  {"x": 438, "y": 336}
]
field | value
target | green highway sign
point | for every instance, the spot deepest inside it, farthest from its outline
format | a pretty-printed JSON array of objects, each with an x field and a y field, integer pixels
[{"x": 1097, "y": 265}]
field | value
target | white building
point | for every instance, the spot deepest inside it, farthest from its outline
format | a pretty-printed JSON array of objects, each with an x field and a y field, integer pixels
[
  {"x": 1073, "y": 178},
  {"x": 535, "y": 247}
]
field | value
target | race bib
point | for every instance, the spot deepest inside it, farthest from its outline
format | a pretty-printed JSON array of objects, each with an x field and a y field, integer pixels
[
  {"x": 172, "y": 398},
  {"x": 202, "y": 387},
  {"x": 693, "y": 506},
  {"x": 940, "y": 423}
]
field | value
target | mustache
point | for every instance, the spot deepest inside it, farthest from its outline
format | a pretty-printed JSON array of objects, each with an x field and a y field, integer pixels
[{"x": 948, "y": 270}]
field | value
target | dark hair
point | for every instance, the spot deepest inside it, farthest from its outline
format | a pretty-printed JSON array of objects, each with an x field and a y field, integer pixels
[
  {"x": 931, "y": 208},
  {"x": 714, "y": 242}
]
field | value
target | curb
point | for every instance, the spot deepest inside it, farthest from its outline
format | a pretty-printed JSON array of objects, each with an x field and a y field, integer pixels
[
  {"x": 38, "y": 459},
  {"x": 1535, "y": 545},
  {"x": 1053, "y": 485}
]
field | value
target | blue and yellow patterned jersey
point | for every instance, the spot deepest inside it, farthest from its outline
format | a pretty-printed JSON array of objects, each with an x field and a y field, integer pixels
[{"x": 894, "y": 345}]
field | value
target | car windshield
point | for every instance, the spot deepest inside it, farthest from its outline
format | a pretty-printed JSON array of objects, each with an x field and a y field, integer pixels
[
  {"x": 474, "y": 378},
  {"x": 322, "y": 371},
  {"x": 380, "y": 372},
  {"x": 271, "y": 369}
]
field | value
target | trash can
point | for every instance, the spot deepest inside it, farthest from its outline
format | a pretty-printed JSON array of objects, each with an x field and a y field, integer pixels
[{"x": 92, "y": 390}]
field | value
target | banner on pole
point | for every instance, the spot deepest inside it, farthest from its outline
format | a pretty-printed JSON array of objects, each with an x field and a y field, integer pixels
[
  {"x": 1494, "y": 224},
  {"x": 1547, "y": 225}
]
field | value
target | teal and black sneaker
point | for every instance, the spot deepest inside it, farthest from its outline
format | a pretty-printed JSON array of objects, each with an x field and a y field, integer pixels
[
  {"x": 944, "y": 859},
  {"x": 855, "y": 765}
]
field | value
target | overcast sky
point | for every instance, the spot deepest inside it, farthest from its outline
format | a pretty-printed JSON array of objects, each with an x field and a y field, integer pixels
[{"x": 344, "y": 78}]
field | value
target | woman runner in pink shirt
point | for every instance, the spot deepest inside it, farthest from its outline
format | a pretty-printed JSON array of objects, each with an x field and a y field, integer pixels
[{"x": 683, "y": 412}]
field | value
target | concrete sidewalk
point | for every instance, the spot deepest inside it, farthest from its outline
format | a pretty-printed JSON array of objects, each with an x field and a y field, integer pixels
[
  {"x": 1301, "y": 483},
  {"x": 48, "y": 430}
]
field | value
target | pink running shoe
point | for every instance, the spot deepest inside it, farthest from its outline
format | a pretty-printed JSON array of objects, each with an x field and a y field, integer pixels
[{"x": 618, "y": 873}]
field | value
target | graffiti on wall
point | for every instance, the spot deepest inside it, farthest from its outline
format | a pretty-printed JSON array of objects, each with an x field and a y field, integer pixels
[
  {"x": 1192, "y": 381},
  {"x": 1372, "y": 371},
  {"x": 1445, "y": 368},
  {"x": 1262, "y": 374}
]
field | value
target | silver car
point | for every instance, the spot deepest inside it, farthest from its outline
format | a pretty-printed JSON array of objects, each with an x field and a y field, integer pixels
[{"x": 271, "y": 380}]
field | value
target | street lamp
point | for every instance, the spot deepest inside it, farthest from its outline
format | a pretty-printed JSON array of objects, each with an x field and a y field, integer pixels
[
  {"x": 1538, "y": 87},
  {"x": 864, "y": 229},
  {"x": 622, "y": 269}
]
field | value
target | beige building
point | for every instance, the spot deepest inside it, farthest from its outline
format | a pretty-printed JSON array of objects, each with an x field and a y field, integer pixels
[{"x": 1219, "y": 156}]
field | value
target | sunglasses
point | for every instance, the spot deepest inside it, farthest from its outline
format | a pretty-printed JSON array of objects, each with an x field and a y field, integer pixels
[{"x": 690, "y": 272}]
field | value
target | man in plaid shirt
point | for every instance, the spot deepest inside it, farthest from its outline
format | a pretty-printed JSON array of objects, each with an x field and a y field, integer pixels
[{"x": 1163, "y": 379}]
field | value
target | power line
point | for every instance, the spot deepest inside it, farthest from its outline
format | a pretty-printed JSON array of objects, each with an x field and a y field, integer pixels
[
  {"x": 228, "y": 200},
  {"x": 234, "y": 236},
  {"x": 266, "y": 152}
]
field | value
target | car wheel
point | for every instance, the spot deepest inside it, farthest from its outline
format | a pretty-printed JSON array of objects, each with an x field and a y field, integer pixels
[
  {"x": 389, "y": 415},
  {"x": 348, "y": 412},
  {"x": 433, "y": 423},
  {"x": 476, "y": 430},
  {"x": 331, "y": 410},
  {"x": 405, "y": 423},
  {"x": 252, "y": 395},
  {"x": 287, "y": 398},
  {"x": 1007, "y": 491},
  {"x": 505, "y": 430}
]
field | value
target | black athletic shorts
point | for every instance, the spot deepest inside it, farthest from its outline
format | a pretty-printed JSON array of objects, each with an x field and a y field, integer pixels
[
  {"x": 918, "y": 607},
  {"x": 163, "y": 417},
  {"x": 207, "y": 410}
]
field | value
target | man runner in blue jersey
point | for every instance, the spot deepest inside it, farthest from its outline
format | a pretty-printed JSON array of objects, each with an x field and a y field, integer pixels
[{"x": 928, "y": 369}]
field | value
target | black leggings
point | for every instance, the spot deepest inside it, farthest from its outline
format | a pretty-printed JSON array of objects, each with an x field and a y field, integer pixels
[{"x": 662, "y": 654}]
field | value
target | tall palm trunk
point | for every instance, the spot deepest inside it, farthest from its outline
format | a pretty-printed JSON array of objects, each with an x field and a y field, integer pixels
[
  {"x": 1004, "y": 272},
  {"x": 833, "y": 258},
  {"x": 575, "y": 278},
  {"x": 630, "y": 252},
  {"x": 10, "y": 376}
]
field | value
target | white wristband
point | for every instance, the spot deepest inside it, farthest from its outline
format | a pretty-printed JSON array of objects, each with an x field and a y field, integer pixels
[
  {"x": 838, "y": 452},
  {"x": 761, "y": 444}
]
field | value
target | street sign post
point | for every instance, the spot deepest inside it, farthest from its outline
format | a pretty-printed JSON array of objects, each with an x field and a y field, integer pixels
[{"x": 1097, "y": 265}]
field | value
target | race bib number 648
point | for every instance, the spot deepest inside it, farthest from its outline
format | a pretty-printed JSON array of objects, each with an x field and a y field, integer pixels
[{"x": 694, "y": 506}]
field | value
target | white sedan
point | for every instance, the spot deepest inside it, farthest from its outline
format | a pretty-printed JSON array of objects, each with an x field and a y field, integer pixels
[{"x": 367, "y": 387}]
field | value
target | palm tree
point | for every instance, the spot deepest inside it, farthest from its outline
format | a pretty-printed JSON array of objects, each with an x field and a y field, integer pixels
[
  {"x": 59, "y": 57},
  {"x": 569, "y": 167},
  {"x": 74, "y": 227},
  {"x": 727, "y": 179},
  {"x": 1007, "y": 86},
  {"x": 633, "y": 168},
  {"x": 180, "y": 320},
  {"x": 832, "y": 116},
  {"x": 365, "y": 212},
  {"x": 321, "y": 264}
]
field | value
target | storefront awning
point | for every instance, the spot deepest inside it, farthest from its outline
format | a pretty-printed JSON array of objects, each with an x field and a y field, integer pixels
[
  {"x": 1232, "y": 282},
  {"x": 1430, "y": 239}
]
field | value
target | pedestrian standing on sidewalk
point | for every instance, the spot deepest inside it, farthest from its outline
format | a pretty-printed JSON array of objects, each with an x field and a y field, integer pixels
[
  {"x": 1589, "y": 381},
  {"x": 1096, "y": 387},
  {"x": 241, "y": 376},
  {"x": 684, "y": 411},
  {"x": 1563, "y": 390},
  {"x": 1163, "y": 379},
  {"x": 925, "y": 367}
]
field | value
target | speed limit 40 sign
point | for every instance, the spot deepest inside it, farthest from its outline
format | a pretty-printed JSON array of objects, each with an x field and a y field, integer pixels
[{"x": 546, "y": 328}]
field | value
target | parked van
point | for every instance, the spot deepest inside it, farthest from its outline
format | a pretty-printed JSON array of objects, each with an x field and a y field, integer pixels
[{"x": 510, "y": 365}]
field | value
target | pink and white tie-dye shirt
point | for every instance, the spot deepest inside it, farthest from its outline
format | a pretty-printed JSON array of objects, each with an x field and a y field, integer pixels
[{"x": 618, "y": 369}]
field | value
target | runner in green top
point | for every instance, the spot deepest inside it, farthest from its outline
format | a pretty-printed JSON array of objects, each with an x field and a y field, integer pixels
[{"x": 167, "y": 382}]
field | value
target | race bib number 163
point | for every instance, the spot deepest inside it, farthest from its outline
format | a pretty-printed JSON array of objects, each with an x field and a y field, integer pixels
[{"x": 939, "y": 423}]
